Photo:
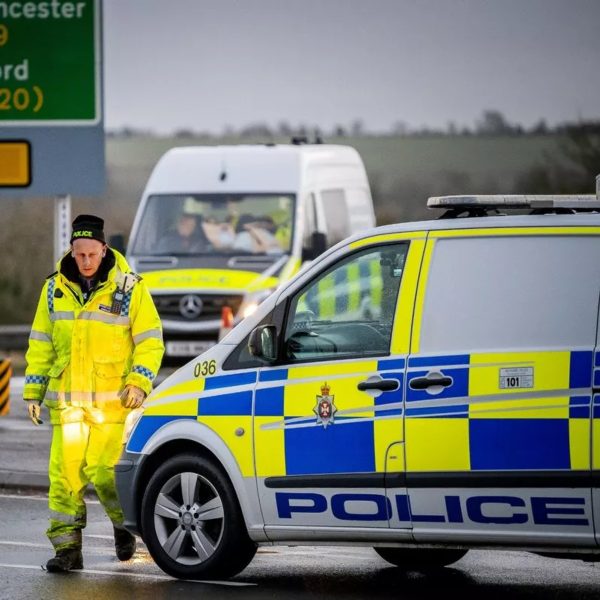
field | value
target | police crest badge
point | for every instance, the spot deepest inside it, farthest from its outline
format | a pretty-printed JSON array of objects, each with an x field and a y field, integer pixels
[{"x": 325, "y": 408}]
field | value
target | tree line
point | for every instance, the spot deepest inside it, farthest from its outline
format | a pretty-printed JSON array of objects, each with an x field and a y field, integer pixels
[{"x": 491, "y": 123}]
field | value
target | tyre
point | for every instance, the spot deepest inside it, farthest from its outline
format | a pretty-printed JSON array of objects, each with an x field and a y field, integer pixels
[
  {"x": 192, "y": 523},
  {"x": 418, "y": 559}
]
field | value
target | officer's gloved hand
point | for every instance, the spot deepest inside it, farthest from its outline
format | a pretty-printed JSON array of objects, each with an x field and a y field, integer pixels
[
  {"x": 34, "y": 409},
  {"x": 132, "y": 397}
]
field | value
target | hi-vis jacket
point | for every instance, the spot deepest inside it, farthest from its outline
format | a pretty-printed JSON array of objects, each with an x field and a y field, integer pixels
[{"x": 83, "y": 352}]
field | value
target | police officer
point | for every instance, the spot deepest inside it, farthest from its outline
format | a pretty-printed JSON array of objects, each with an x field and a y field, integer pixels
[{"x": 95, "y": 347}]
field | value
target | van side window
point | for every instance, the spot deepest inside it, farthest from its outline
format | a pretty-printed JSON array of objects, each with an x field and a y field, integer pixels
[
  {"x": 336, "y": 214},
  {"x": 505, "y": 292},
  {"x": 310, "y": 220},
  {"x": 349, "y": 309},
  {"x": 360, "y": 209}
]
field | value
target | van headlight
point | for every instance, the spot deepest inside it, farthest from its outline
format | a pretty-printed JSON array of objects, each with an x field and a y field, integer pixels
[
  {"x": 251, "y": 302},
  {"x": 130, "y": 422}
]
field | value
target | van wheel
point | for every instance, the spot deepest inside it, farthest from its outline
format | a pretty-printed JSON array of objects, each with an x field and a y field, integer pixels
[
  {"x": 420, "y": 558},
  {"x": 192, "y": 523}
]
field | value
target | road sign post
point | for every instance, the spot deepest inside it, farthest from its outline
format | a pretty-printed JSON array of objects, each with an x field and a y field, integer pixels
[{"x": 62, "y": 225}]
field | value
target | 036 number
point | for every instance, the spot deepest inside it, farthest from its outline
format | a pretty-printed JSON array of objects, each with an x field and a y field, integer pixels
[{"x": 204, "y": 368}]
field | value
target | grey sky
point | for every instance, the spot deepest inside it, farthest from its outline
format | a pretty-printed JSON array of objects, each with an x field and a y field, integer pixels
[{"x": 203, "y": 64}]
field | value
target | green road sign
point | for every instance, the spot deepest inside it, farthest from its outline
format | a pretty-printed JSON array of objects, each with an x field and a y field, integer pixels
[{"x": 49, "y": 62}]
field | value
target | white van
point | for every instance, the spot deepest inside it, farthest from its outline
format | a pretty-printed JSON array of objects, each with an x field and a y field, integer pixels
[{"x": 219, "y": 228}]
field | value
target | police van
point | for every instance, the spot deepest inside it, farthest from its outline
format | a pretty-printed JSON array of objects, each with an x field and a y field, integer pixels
[
  {"x": 219, "y": 228},
  {"x": 422, "y": 388}
]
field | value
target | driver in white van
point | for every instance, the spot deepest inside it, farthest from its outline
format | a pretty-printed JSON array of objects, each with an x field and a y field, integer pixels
[{"x": 187, "y": 238}]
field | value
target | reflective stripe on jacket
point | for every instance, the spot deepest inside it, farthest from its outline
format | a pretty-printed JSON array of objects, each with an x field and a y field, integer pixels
[{"x": 82, "y": 355}]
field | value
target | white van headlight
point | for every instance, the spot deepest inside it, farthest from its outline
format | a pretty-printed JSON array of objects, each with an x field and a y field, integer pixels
[
  {"x": 131, "y": 421},
  {"x": 251, "y": 302}
]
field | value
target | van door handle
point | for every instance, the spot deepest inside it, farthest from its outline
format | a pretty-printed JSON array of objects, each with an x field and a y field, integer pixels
[
  {"x": 383, "y": 385},
  {"x": 435, "y": 379}
]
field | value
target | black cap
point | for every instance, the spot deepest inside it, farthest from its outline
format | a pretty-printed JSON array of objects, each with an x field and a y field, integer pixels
[{"x": 88, "y": 227}]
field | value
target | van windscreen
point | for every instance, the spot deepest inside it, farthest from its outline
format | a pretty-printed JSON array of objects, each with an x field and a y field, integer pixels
[{"x": 232, "y": 224}]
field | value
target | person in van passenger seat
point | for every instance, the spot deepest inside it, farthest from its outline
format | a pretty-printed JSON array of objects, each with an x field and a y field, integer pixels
[{"x": 253, "y": 235}]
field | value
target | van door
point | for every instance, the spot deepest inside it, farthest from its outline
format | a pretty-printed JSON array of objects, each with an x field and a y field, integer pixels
[
  {"x": 327, "y": 414},
  {"x": 499, "y": 387}
]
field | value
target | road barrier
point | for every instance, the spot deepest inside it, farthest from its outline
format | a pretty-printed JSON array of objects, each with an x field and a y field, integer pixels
[
  {"x": 14, "y": 337},
  {"x": 5, "y": 374}
]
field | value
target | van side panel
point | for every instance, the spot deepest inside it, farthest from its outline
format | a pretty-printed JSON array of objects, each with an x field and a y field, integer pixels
[{"x": 500, "y": 448}]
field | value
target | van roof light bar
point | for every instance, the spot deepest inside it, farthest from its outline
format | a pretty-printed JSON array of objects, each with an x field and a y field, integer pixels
[{"x": 486, "y": 205}]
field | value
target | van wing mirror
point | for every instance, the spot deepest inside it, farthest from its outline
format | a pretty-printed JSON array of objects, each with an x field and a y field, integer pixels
[
  {"x": 318, "y": 245},
  {"x": 263, "y": 343}
]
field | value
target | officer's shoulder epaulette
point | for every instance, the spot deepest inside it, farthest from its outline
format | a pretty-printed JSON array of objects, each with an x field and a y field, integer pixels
[
  {"x": 52, "y": 275},
  {"x": 126, "y": 281},
  {"x": 133, "y": 278}
]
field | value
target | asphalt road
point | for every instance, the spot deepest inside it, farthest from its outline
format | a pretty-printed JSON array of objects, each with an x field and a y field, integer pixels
[
  {"x": 276, "y": 572},
  {"x": 24, "y": 448}
]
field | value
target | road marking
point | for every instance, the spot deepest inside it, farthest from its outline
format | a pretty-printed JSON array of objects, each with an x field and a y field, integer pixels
[
  {"x": 138, "y": 575},
  {"x": 100, "y": 550},
  {"x": 44, "y": 498},
  {"x": 17, "y": 497},
  {"x": 18, "y": 426},
  {"x": 107, "y": 537},
  {"x": 26, "y": 544},
  {"x": 104, "y": 537}
]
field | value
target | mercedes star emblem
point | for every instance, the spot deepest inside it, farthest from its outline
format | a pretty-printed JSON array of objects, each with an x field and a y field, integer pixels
[{"x": 190, "y": 306}]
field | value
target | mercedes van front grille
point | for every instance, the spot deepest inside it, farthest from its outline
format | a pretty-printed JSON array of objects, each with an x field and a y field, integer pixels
[{"x": 190, "y": 307}]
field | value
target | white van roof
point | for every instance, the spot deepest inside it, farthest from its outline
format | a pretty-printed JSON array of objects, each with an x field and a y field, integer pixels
[{"x": 238, "y": 169}]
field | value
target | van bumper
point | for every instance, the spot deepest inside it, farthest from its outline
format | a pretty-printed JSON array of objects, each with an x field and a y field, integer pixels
[{"x": 127, "y": 472}]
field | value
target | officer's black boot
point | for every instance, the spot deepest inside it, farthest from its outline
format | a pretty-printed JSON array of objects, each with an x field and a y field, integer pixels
[
  {"x": 65, "y": 560},
  {"x": 124, "y": 544}
]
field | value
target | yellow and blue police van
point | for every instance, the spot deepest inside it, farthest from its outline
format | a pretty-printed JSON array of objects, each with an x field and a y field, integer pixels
[
  {"x": 218, "y": 228},
  {"x": 421, "y": 388}
]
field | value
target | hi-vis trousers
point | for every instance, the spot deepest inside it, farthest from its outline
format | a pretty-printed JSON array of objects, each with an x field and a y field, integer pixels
[{"x": 82, "y": 452}]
